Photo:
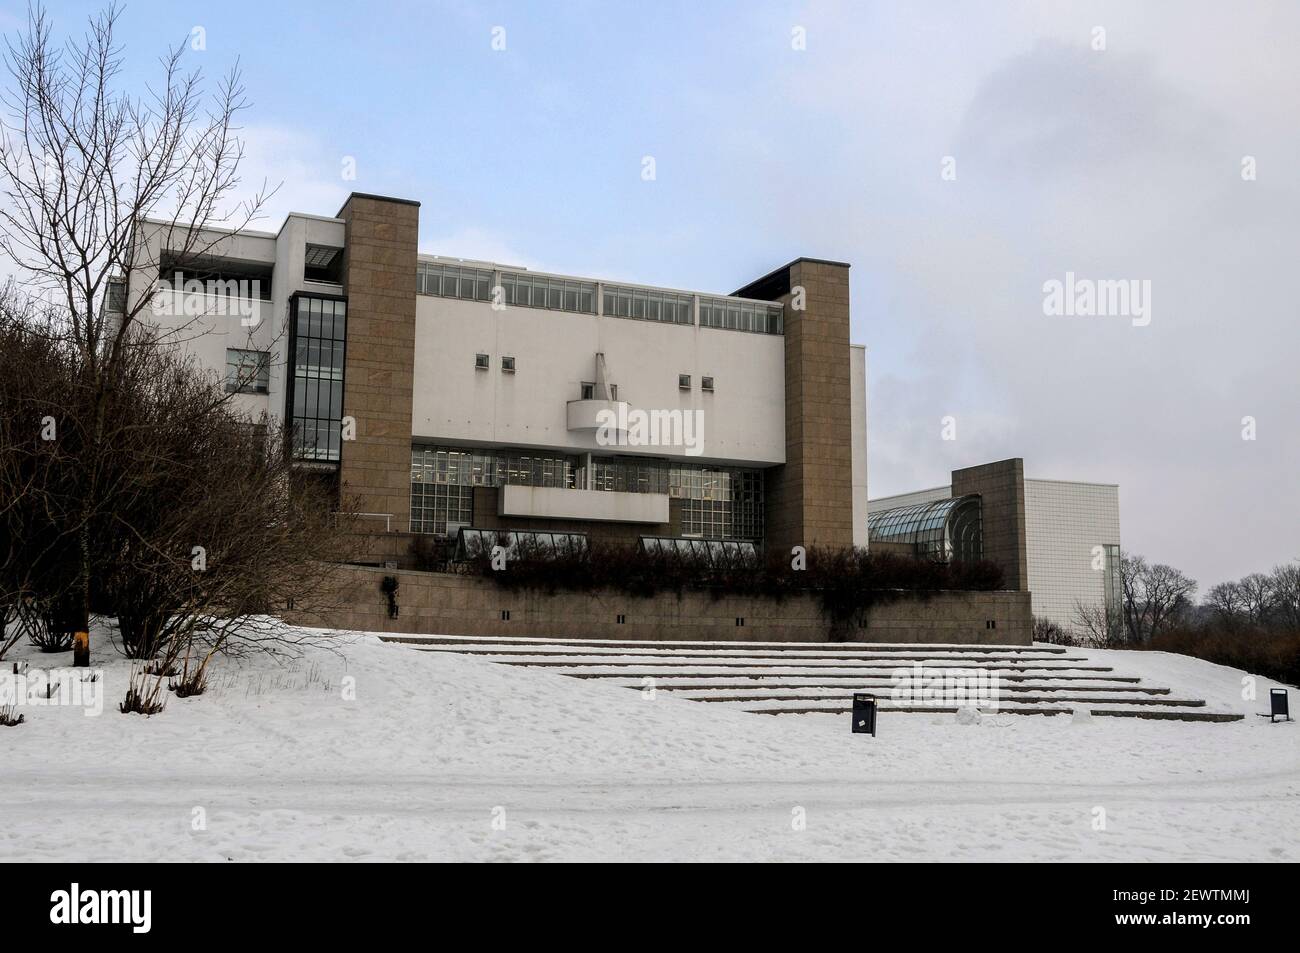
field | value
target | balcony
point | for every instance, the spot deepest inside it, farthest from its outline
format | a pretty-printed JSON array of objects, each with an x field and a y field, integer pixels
[
  {"x": 602, "y": 506},
  {"x": 594, "y": 414}
]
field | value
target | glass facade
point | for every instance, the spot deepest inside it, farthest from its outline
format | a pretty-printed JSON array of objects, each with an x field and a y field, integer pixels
[
  {"x": 738, "y": 315},
  {"x": 647, "y": 305},
  {"x": 453, "y": 281},
  {"x": 1113, "y": 587},
  {"x": 443, "y": 481},
  {"x": 716, "y": 502},
  {"x": 712, "y": 552},
  {"x": 945, "y": 530},
  {"x": 475, "y": 542},
  {"x": 541, "y": 291},
  {"x": 318, "y": 343},
  {"x": 467, "y": 282},
  {"x": 441, "y": 508}
]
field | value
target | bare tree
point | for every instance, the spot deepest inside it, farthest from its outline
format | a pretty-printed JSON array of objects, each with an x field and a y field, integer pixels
[
  {"x": 1226, "y": 601},
  {"x": 1286, "y": 597},
  {"x": 1155, "y": 596},
  {"x": 1099, "y": 625},
  {"x": 1256, "y": 592},
  {"x": 89, "y": 174}
]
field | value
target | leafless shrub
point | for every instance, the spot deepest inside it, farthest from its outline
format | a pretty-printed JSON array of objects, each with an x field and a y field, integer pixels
[
  {"x": 96, "y": 186},
  {"x": 192, "y": 682},
  {"x": 9, "y": 716},
  {"x": 1045, "y": 630},
  {"x": 144, "y": 694}
]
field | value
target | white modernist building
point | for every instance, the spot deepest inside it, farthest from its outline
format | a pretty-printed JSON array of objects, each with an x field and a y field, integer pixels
[
  {"x": 447, "y": 394},
  {"x": 1072, "y": 543}
]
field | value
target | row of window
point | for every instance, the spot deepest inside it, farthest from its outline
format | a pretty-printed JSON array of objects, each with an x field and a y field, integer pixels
[
  {"x": 453, "y": 281},
  {"x": 646, "y": 305},
  {"x": 717, "y": 502},
  {"x": 684, "y": 383},
  {"x": 491, "y": 468},
  {"x": 556, "y": 294},
  {"x": 567, "y": 294},
  {"x": 483, "y": 362},
  {"x": 475, "y": 542},
  {"x": 734, "y": 314}
]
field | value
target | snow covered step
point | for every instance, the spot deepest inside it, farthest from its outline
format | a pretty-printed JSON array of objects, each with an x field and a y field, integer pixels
[
  {"x": 540, "y": 654},
  {"x": 791, "y": 683},
  {"x": 468, "y": 640},
  {"x": 838, "y": 673},
  {"x": 1109, "y": 710},
  {"x": 680, "y": 682},
  {"x": 762, "y": 664},
  {"x": 1029, "y": 698},
  {"x": 738, "y": 692},
  {"x": 780, "y": 678}
]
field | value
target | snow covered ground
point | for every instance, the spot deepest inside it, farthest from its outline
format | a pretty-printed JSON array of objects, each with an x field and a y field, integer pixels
[{"x": 443, "y": 757}]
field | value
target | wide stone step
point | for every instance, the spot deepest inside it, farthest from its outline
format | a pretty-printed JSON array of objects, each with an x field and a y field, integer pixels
[
  {"x": 690, "y": 655},
  {"x": 677, "y": 681},
  {"x": 1026, "y": 699},
  {"x": 1135, "y": 712},
  {"x": 549, "y": 662},
  {"x": 731, "y": 646},
  {"x": 785, "y": 678},
  {"x": 1135, "y": 693}
]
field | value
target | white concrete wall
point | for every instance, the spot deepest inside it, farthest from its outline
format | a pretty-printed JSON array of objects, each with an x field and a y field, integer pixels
[
  {"x": 858, "y": 423},
  {"x": 1063, "y": 522},
  {"x": 599, "y": 505},
  {"x": 208, "y": 334},
  {"x": 554, "y": 351}
]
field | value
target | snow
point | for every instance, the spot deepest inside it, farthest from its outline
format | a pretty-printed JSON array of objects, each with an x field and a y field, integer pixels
[{"x": 446, "y": 757}]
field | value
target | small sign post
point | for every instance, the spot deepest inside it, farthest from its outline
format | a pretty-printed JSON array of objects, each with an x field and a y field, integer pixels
[
  {"x": 1279, "y": 704},
  {"x": 864, "y": 714}
]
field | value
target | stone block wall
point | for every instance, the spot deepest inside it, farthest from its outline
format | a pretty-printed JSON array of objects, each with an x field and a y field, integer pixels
[
  {"x": 453, "y": 604},
  {"x": 379, "y": 267},
  {"x": 1001, "y": 487}
]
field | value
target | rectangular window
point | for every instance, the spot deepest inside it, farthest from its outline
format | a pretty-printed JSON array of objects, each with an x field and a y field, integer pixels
[
  {"x": 318, "y": 342},
  {"x": 247, "y": 372},
  {"x": 684, "y": 381},
  {"x": 588, "y": 391},
  {"x": 507, "y": 365},
  {"x": 706, "y": 383},
  {"x": 115, "y": 297},
  {"x": 481, "y": 362}
]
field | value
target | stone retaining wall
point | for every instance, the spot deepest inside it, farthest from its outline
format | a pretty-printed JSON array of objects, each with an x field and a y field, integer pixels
[{"x": 451, "y": 604}]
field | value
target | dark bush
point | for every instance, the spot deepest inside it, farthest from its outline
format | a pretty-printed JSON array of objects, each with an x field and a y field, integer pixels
[
  {"x": 1045, "y": 630},
  {"x": 1273, "y": 655},
  {"x": 847, "y": 581},
  {"x": 9, "y": 716}
]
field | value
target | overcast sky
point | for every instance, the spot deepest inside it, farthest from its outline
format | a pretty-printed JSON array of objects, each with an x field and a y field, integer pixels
[{"x": 1121, "y": 163}]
